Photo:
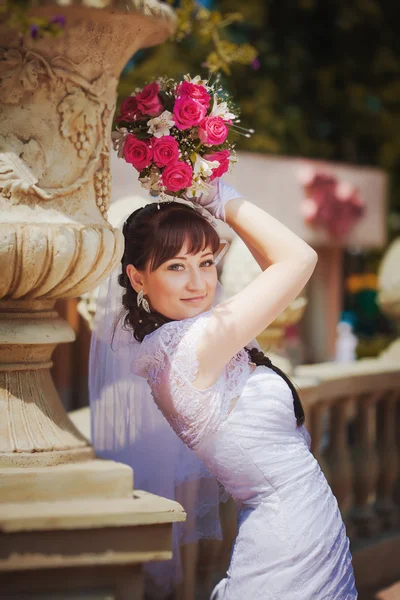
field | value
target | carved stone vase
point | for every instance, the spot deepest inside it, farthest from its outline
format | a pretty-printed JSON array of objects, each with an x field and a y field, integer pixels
[{"x": 57, "y": 99}]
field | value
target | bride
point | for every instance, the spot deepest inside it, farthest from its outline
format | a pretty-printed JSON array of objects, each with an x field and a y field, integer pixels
[{"x": 235, "y": 411}]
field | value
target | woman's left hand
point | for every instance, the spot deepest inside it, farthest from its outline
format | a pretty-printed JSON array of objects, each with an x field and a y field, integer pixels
[{"x": 214, "y": 202}]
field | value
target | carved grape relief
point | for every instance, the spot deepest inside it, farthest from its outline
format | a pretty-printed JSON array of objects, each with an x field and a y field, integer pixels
[{"x": 83, "y": 109}]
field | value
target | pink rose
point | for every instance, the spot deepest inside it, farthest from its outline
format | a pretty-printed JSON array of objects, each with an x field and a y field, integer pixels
[
  {"x": 129, "y": 109},
  {"x": 223, "y": 158},
  {"x": 177, "y": 177},
  {"x": 165, "y": 150},
  {"x": 148, "y": 100},
  {"x": 188, "y": 112},
  {"x": 197, "y": 92},
  {"x": 137, "y": 152},
  {"x": 213, "y": 131}
]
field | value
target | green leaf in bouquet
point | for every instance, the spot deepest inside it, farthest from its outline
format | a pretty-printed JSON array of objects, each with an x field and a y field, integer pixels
[{"x": 141, "y": 134}]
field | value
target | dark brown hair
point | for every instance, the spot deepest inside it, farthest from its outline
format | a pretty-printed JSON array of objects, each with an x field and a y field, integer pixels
[{"x": 156, "y": 233}]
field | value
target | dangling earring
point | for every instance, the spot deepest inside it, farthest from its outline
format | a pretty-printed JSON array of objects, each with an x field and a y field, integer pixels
[{"x": 141, "y": 300}]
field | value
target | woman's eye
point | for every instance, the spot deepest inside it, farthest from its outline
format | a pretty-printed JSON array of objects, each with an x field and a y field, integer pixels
[
  {"x": 175, "y": 267},
  {"x": 208, "y": 263}
]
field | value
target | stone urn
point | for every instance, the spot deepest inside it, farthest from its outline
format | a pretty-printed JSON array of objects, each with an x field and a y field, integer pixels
[{"x": 57, "y": 100}]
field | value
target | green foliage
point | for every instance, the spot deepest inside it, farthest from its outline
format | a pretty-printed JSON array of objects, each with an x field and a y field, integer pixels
[
  {"x": 208, "y": 27},
  {"x": 328, "y": 85}
]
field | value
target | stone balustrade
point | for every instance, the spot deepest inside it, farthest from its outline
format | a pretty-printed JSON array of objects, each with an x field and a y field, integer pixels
[
  {"x": 352, "y": 413},
  {"x": 352, "y": 421}
]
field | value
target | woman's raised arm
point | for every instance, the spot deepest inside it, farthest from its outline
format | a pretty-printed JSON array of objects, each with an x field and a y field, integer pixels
[{"x": 239, "y": 319}]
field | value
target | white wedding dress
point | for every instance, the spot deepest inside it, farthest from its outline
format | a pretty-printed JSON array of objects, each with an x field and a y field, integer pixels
[{"x": 291, "y": 542}]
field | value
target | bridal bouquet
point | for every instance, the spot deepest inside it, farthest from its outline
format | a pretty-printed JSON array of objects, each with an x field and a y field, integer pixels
[{"x": 175, "y": 134}]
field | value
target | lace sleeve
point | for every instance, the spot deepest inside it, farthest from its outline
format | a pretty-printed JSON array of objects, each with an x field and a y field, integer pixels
[{"x": 191, "y": 412}]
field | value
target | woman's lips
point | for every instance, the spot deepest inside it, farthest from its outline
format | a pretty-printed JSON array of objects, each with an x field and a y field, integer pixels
[{"x": 197, "y": 299}]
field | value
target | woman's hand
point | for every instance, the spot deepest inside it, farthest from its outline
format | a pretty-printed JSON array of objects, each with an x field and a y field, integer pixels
[{"x": 214, "y": 202}]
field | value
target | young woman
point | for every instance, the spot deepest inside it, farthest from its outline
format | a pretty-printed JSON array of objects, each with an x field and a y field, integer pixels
[{"x": 226, "y": 401}]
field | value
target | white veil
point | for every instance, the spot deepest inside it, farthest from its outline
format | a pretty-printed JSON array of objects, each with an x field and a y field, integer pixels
[{"x": 127, "y": 427}]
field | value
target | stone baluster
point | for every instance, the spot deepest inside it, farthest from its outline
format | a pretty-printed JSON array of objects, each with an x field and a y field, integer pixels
[
  {"x": 388, "y": 460},
  {"x": 186, "y": 494},
  {"x": 365, "y": 465},
  {"x": 338, "y": 455},
  {"x": 389, "y": 302}
]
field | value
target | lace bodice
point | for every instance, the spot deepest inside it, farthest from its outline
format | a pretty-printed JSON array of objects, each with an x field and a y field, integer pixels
[{"x": 168, "y": 360}]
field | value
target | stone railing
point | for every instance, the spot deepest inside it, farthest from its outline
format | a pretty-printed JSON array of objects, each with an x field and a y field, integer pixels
[{"x": 352, "y": 413}]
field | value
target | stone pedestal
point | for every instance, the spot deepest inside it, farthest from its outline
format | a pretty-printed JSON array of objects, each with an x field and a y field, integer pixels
[
  {"x": 57, "y": 99},
  {"x": 85, "y": 542}
]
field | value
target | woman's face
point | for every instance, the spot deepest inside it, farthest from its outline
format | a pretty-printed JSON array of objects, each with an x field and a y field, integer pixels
[{"x": 180, "y": 288}]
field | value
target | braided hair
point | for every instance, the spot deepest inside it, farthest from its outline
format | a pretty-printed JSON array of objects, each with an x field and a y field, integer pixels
[{"x": 257, "y": 357}]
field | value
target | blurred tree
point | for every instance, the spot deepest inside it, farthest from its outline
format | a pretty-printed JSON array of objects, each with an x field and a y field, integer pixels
[{"x": 326, "y": 83}]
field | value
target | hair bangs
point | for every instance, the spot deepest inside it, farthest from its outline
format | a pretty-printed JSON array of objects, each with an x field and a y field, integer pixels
[{"x": 177, "y": 228}]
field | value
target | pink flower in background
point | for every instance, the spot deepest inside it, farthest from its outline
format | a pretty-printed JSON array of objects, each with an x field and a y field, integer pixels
[
  {"x": 351, "y": 208},
  {"x": 148, "y": 100},
  {"x": 129, "y": 109},
  {"x": 137, "y": 152},
  {"x": 223, "y": 158},
  {"x": 188, "y": 112},
  {"x": 165, "y": 150},
  {"x": 178, "y": 176},
  {"x": 330, "y": 204},
  {"x": 213, "y": 131},
  {"x": 194, "y": 91}
]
